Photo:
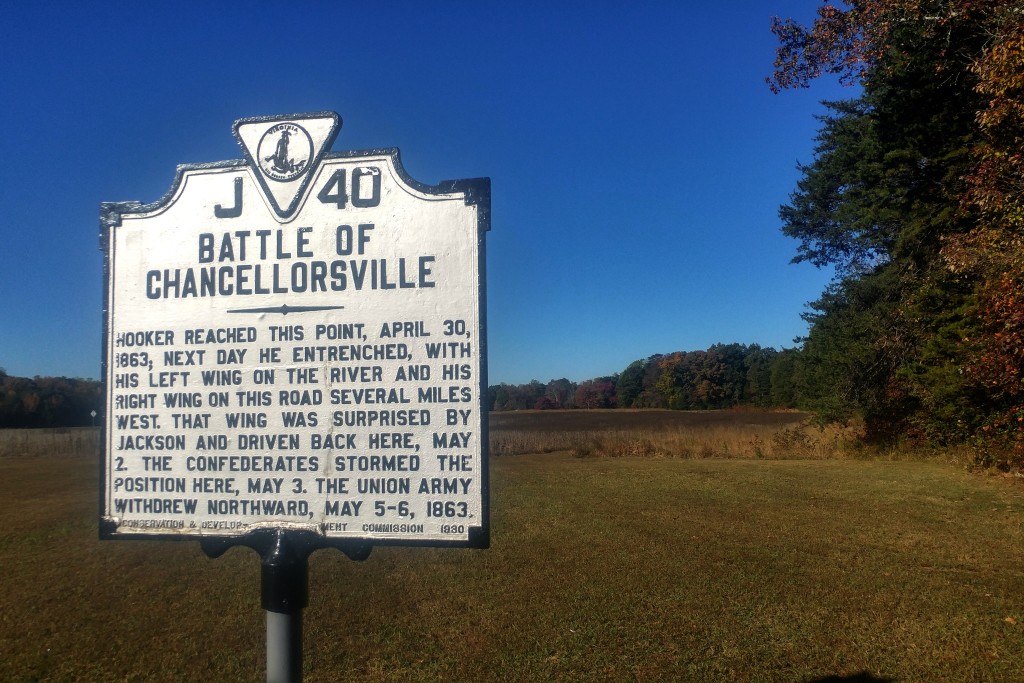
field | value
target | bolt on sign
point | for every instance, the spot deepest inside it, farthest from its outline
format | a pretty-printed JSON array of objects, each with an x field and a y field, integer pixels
[{"x": 296, "y": 341}]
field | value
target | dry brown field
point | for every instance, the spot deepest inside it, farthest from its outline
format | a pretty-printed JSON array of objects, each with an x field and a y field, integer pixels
[
  {"x": 667, "y": 434},
  {"x": 640, "y": 420}
]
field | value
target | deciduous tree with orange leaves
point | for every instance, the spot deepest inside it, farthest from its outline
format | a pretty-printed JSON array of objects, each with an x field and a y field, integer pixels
[{"x": 992, "y": 252}]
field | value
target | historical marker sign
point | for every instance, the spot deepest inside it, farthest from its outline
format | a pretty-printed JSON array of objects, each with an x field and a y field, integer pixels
[{"x": 296, "y": 341}]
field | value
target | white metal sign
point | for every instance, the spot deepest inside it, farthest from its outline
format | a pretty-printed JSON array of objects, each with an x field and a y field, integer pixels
[{"x": 296, "y": 341}]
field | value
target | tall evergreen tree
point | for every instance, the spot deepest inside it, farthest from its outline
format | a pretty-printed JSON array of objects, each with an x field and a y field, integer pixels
[{"x": 881, "y": 199}]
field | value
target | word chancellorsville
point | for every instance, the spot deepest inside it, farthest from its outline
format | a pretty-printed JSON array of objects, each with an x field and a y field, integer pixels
[{"x": 281, "y": 269}]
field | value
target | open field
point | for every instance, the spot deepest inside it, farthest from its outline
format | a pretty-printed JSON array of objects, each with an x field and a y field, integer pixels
[
  {"x": 666, "y": 434},
  {"x": 34, "y": 443},
  {"x": 601, "y": 568}
]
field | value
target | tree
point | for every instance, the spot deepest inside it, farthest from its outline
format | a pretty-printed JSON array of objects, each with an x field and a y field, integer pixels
[
  {"x": 48, "y": 401},
  {"x": 758, "y": 363},
  {"x": 596, "y": 393},
  {"x": 991, "y": 255},
  {"x": 700, "y": 380},
  {"x": 525, "y": 396},
  {"x": 560, "y": 393},
  {"x": 631, "y": 384},
  {"x": 517, "y": 396},
  {"x": 651, "y": 396},
  {"x": 787, "y": 379},
  {"x": 882, "y": 201}
]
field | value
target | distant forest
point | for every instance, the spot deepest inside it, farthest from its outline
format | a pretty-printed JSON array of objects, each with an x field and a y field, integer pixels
[
  {"x": 48, "y": 401},
  {"x": 723, "y": 376}
]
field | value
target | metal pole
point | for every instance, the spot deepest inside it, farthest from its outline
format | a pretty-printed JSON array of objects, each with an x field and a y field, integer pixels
[
  {"x": 284, "y": 647},
  {"x": 285, "y": 591}
]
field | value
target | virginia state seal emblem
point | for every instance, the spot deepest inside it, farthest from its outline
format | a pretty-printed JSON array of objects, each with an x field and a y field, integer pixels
[{"x": 284, "y": 151}]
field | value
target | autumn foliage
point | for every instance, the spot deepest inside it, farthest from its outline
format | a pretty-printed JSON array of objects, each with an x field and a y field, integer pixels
[
  {"x": 924, "y": 172},
  {"x": 993, "y": 251},
  {"x": 48, "y": 401},
  {"x": 722, "y": 376}
]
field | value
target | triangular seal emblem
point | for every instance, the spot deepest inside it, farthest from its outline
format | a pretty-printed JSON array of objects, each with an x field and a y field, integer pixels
[{"x": 284, "y": 152}]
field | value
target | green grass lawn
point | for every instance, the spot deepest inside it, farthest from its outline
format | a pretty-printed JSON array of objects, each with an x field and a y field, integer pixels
[{"x": 600, "y": 569}]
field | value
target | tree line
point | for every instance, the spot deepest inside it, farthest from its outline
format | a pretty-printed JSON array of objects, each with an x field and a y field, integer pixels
[
  {"x": 722, "y": 376},
  {"x": 915, "y": 195},
  {"x": 48, "y": 401}
]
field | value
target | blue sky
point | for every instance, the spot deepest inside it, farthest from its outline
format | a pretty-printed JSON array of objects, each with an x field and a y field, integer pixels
[{"x": 637, "y": 157}]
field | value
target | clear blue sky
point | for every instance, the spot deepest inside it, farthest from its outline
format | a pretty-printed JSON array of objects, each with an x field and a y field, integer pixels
[{"x": 637, "y": 157}]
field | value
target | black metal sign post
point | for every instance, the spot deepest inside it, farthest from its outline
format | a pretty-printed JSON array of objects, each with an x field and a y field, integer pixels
[
  {"x": 294, "y": 355},
  {"x": 284, "y": 591},
  {"x": 284, "y": 586}
]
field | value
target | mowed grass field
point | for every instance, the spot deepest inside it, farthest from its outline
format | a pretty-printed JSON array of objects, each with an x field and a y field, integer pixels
[{"x": 602, "y": 568}]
